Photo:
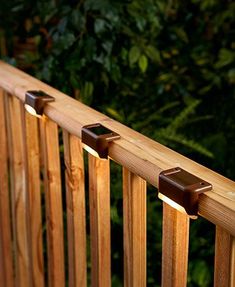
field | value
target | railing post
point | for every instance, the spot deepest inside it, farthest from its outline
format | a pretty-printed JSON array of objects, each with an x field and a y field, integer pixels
[
  {"x": 6, "y": 260},
  {"x": 54, "y": 213},
  {"x": 175, "y": 242},
  {"x": 34, "y": 199},
  {"x": 99, "y": 197},
  {"x": 134, "y": 217},
  {"x": 224, "y": 274},
  {"x": 75, "y": 202},
  {"x": 19, "y": 197}
]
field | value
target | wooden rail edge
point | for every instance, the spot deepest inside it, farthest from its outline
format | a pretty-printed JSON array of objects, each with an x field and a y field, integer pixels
[{"x": 134, "y": 151}]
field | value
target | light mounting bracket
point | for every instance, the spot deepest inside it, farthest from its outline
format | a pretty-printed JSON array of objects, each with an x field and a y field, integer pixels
[
  {"x": 97, "y": 137},
  {"x": 183, "y": 188}
]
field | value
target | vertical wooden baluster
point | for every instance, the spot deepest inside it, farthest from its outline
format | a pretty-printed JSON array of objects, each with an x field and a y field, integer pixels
[
  {"x": 54, "y": 212},
  {"x": 19, "y": 192},
  {"x": 35, "y": 219},
  {"x": 6, "y": 262},
  {"x": 224, "y": 274},
  {"x": 76, "y": 222},
  {"x": 2, "y": 264},
  {"x": 99, "y": 197},
  {"x": 134, "y": 216},
  {"x": 175, "y": 241},
  {"x": 232, "y": 267}
]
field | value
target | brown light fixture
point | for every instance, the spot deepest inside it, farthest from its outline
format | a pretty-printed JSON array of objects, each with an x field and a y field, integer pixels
[
  {"x": 35, "y": 102},
  {"x": 96, "y": 139},
  {"x": 181, "y": 190}
]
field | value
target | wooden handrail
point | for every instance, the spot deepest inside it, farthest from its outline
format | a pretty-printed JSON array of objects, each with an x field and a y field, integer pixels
[{"x": 134, "y": 151}]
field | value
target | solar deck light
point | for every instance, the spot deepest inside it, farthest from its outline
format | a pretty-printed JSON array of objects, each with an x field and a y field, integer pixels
[
  {"x": 35, "y": 102},
  {"x": 181, "y": 190},
  {"x": 96, "y": 139}
]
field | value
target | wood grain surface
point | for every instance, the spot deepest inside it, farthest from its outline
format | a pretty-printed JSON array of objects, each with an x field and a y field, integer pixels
[
  {"x": 75, "y": 201},
  {"x": 99, "y": 202},
  {"x": 135, "y": 233},
  {"x": 53, "y": 195},
  {"x": 224, "y": 274},
  {"x": 19, "y": 196},
  {"x": 34, "y": 199},
  {"x": 175, "y": 242},
  {"x": 6, "y": 258}
]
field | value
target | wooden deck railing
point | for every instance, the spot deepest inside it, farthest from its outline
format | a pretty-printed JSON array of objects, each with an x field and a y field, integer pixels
[{"x": 30, "y": 145}]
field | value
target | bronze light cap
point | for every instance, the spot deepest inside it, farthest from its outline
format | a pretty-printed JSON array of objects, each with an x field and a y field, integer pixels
[
  {"x": 183, "y": 188},
  {"x": 37, "y": 100},
  {"x": 98, "y": 137}
]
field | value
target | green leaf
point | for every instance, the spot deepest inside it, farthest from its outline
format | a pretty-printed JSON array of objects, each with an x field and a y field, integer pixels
[
  {"x": 115, "y": 114},
  {"x": 37, "y": 39},
  {"x": 153, "y": 54},
  {"x": 217, "y": 143},
  {"x": 205, "y": 90},
  {"x": 231, "y": 76},
  {"x": 165, "y": 77},
  {"x": 74, "y": 80},
  {"x": 182, "y": 117},
  {"x": 208, "y": 4},
  {"x": 201, "y": 274},
  {"x": 114, "y": 214},
  {"x": 62, "y": 42},
  {"x": 226, "y": 57},
  {"x": 171, "y": 136},
  {"x": 143, "y": 63},
  {"x": 78, "y": 20},
  {"x": 182, "y": 34},
  {"x": 87, "y": 92},
  {"x": 134, "y": 55},
  {"x": 100, "y": 26}
]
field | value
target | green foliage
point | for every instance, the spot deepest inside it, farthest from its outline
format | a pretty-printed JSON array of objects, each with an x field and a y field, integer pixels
[
  {"x": 143, "y": 63},
  {"x": 134, "y": 55},
  {"x": 225, "y": 58},
  {"x": 165, "y": 68},
  {"x": 170, "y": 133},
  {"x": 201, "y": 274}
]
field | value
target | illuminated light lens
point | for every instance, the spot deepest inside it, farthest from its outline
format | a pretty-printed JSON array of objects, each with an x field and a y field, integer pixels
[
  {"x": 32, "y": 111},
  {"x": 174, "y": 204},
  {"x": 91, "y": 151}
]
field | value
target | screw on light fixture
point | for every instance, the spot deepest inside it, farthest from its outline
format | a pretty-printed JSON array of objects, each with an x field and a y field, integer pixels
[
  {"x": 96, "y": 139},
  {"x": 181, "y": 190},
  {"x": 35, "y": 102}
]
